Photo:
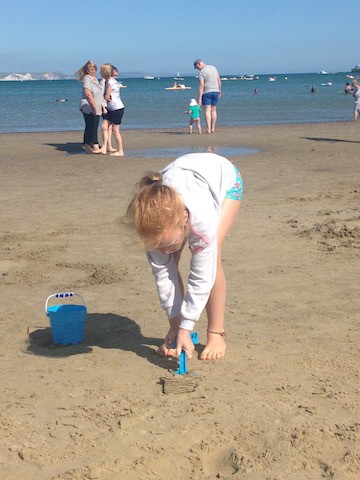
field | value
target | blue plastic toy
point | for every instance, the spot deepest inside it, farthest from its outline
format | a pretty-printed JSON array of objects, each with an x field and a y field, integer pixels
[{"x": 182, "y": 359}]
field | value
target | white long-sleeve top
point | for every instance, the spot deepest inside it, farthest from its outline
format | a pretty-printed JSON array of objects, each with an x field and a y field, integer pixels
[{"x": 202, "y": 180}]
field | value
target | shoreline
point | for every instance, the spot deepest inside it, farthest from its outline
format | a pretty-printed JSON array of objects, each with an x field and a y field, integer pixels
[
  {"x": 283, "y": 403},
  {"x": 255, "y": 125}
]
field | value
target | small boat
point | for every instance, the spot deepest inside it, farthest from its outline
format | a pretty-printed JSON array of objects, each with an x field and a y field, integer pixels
[
  {"x": 349, "y": 76},
  {"x": 149, "y": 77},
  {"x": 323, "y": 72},
  {"x": 272, "y": 79},
  {"x": 178, "y": 77},
  {"x": 178, "y": 86}
]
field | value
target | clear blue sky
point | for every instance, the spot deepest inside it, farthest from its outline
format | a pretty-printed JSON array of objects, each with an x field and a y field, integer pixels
[{"x": 164, "y": 36}]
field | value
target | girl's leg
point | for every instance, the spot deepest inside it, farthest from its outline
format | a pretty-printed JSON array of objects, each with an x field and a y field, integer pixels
[
  {"x": 116, "y": 131},
  {"x": 105, "y": 134},
  {"x": 110, "y": 148},
  {"x": 198, "y": 123},
  {"x": 191, "y": 126},
  {"x": 215, "y": 308}
]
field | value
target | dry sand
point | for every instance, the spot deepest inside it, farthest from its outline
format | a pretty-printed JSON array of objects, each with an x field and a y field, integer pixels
[{"x": 283, "y": 404}]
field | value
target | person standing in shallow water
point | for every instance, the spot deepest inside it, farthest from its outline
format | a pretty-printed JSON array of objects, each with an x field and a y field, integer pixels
[
  {"x": 194, "y": 112},
  {"x": 195, "y": 199},
  {"x": 209, "y": 92},
  {"x": 91, "y": 105}
]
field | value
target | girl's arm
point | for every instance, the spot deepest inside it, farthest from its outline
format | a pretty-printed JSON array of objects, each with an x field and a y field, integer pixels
[
  {"x": 108, "y": 93},
  {"x": 165, "y": 272}
]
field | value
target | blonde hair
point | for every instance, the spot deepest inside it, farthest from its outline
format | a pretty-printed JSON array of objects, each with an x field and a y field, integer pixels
[
  {"x": 154, "y": 209},
  {"x": 106, "y": 70},
  {"x": 85, "y": 69}
]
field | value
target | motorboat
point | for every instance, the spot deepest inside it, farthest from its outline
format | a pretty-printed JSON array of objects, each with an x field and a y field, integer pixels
[
  {"x": 149, "y": 77},
  {"x": 323, "y": 72},
  {"x": 272, "y": 79}
]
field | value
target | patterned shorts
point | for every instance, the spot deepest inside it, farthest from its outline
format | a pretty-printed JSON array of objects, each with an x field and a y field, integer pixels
[{"x": 236, "y": 192}]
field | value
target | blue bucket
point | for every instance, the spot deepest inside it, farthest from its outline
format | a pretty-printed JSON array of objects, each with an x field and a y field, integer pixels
[{"x": 67, "y": 321}]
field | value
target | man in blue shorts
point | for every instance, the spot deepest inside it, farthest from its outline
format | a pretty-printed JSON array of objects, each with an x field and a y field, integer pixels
[{"x": 209, "y": 92}]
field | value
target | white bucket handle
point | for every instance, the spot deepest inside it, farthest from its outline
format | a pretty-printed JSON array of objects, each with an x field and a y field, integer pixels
[{"x": 62, "y": 295}]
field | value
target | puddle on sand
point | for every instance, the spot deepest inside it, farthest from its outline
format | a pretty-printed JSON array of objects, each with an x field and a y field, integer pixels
[{"x": 178, "y": 151}]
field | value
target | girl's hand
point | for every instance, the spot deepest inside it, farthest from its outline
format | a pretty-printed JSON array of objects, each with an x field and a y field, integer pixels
[
  {"x": 185, "y": 343},
  {"x": 170, "y": 338}
]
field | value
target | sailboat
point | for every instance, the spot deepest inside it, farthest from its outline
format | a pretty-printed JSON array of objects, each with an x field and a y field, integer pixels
[{"x": 178, "y": 77}]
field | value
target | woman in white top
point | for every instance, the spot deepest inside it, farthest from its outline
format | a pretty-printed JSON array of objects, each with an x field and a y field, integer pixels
[{"x": 115, "y": 109}]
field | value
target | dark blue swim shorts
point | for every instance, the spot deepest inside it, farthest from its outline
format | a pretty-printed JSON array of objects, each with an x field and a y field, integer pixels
[{"x": 211, "y": 98}]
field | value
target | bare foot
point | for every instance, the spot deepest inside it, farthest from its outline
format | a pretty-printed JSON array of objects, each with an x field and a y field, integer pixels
[
  {"x": 163, "y": 351},
  {"x": 215, "y": 347},
  {"x": 111, "y": 150},
  {"x": 117, "y": 154},
  {"x": 102, "y": 151}
]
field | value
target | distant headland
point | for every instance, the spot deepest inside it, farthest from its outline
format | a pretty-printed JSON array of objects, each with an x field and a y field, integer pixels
[{"x": 21, "y": 77}]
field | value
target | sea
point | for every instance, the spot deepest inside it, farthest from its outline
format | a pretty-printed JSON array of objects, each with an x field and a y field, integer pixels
[{"x": 51, "y": 106}]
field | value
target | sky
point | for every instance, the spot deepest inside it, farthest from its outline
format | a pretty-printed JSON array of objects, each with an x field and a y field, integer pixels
[{"x": 163, "y": 36}]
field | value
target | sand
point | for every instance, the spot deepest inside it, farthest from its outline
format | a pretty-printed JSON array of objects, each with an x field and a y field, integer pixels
[{"x": 284, "y": 402}]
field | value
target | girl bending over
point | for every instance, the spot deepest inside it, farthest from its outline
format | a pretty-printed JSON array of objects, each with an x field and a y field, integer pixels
[{"x": 195, "y": 199}]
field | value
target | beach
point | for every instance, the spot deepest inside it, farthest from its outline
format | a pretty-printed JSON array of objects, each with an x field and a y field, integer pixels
[{"x": 284, "y": 402}]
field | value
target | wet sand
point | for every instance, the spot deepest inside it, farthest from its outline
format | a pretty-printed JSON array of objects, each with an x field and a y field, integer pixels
[{"x": 284, "y": 402}]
